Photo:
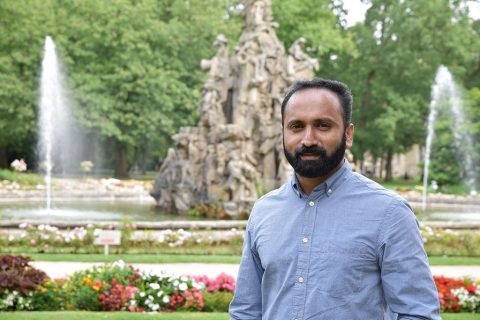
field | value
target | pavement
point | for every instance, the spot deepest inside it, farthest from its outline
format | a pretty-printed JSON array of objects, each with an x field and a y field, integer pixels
[{"x": 65, "y": 269}]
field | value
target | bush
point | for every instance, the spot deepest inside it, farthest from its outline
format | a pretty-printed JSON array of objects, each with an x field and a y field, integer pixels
[
  {"x": 218, "y": 301},
  {"x": 50, "y": 296},
  {"x": 98, "y": 287},
  {"x": 23, "y": 179},
  {"x": 451, "y": 242},
  {"x": 17, "y": 282},
  {"x": 458, "y": 295},
  {"x": 166, "y": 292}
]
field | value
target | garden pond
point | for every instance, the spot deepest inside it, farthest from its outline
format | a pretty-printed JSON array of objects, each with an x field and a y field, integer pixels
[
  {"x": 88, "y": 210},
  {"x": 144, "y": 210}
]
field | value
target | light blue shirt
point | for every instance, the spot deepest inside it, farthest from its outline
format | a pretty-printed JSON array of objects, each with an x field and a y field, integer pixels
[{"x": 349, "y": 250}]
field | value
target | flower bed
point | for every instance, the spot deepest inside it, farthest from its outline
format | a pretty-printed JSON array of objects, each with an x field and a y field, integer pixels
[
  {"x": 119, "y": 287},
  {"x": 50, "y": 239},
  {"x": 111, "y": 287}
]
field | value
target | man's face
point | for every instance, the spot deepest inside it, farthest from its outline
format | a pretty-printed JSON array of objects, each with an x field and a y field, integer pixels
[{"x": 314, "y": 138}]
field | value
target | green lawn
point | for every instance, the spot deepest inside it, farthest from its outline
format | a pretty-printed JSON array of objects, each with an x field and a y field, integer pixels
[
  {"x": 137, "y": 258},
  {"x": 185, "y": 258},
  {"x": 74, "y": 315},
  {"x": 454, "y": 261}
]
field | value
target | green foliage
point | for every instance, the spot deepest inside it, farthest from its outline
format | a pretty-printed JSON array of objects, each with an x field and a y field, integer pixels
[
  {"x": 50, "y": 296},
  {"x": 316, "y": 22},
  {"x": 22, "y": 29},
  {"x": 22, "y": 178},
  {"x": 85, "y": 286},
  {"x": 453, "y": 243},
  {"x": 400, "y": 45},
  {"x": 218, "y": 301},
  {"x": 132, "y": 69}
]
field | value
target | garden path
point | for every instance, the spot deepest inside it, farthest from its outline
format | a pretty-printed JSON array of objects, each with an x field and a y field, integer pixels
[{"x": 64, "y": 269}]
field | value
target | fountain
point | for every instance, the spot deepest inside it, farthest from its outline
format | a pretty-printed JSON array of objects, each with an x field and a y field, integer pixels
[
  {"x": 51, "y": 109},
  {"x": 60, "y": 143},
  {"x": 445, "y": 90}
]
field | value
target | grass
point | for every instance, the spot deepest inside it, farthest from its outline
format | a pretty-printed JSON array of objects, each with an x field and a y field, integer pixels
[
  {"x": 22, "y": 178},
  {"x": 454, "y": 261},
  {"x": 136, "y": 258},
  {"x": 74, "y": 315},
  {"x": 185, "y": 258}
]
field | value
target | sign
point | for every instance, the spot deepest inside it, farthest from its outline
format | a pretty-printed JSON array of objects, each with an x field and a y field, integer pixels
[{"x": 108, "y": 237}]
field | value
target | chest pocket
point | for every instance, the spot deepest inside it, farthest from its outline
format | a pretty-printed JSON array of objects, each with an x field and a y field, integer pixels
[{"x": 338, "y": 269}]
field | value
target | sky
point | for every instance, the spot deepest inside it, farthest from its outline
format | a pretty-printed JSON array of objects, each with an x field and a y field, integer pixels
[{"x": 356, "y": 10}]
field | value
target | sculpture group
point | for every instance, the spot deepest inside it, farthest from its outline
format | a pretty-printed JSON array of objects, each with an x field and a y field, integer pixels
[{"x": 236, "y": 148}]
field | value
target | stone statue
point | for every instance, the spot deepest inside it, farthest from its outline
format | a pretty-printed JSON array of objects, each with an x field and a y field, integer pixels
[
  {"x": 237, "y": 144},
  {"x": 215, "y": 90},
  {"x": 300, "y": 65}
]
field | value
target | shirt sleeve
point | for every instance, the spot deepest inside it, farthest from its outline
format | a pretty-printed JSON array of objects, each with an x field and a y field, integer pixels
[
  {"x": 406, "y": 278},
  {"x": 247, "y": 301}
]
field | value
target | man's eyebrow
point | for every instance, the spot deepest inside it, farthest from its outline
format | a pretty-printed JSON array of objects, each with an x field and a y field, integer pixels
[{"x": 294, "y": 121}]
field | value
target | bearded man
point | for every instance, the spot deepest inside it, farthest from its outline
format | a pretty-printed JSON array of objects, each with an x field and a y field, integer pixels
[{"x": 330, "y": 243}]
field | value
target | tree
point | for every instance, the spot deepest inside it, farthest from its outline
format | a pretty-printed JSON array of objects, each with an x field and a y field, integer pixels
[
  {"x": 22, "y": 31},
  {"x": 134, "y": 66},
  {"x": 401, "y": 44}
]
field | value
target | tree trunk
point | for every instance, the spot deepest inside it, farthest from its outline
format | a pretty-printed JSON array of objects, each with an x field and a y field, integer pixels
[
  {"x": 121, "y": 164},
  {"x": 3, "y": 157},
  {"x": 388, "y": 166}
]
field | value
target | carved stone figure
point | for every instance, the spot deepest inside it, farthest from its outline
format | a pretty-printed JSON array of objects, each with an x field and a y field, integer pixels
[
  {"x": 237, "y": 144},
  {"x": 300, "y": 65}
]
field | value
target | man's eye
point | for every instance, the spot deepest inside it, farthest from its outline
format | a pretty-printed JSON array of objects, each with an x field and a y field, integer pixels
[{"x": 295, "y": 126}]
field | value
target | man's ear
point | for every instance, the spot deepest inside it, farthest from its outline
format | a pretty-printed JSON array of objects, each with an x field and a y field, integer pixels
[{"x": 349, "y": 132}]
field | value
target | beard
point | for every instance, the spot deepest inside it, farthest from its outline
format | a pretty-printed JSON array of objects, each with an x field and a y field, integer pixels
[{"x": 318, "y": 167}]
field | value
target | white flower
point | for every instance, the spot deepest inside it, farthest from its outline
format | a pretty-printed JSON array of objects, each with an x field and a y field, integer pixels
[
  {"x": 142, "y": 294},
  {"x": 119, "y": 263},
  {"x": 166, "y": 299},
  {"x": 154, "y": 286},
  {"x": 183, "y": 286},
  {"x": 159, "y": 294},
  {"x": 155, "y": 307}
]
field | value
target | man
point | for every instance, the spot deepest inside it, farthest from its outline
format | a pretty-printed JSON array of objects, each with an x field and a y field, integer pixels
[{"x": 330, "y": 243}]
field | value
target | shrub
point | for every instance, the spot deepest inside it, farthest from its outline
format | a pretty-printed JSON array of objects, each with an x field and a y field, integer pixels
[
  {"x": 17, "y": 282},
  {"x": 218, "y": 301},
  {"x": 116, "y": 297},
  {"x": 50, "y": 296},
  {"x": 457, "y": 295},
  {"x": 87, "y": 286},
  {"x": 165, "y": 291}
]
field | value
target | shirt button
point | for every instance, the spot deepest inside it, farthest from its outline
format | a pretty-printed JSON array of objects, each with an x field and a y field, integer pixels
[
  {"x": 305, "y": 240},
  {"x": 329, "y": 191},
  {"x": 301, "y": 280},
  {"x": 311, "y": 203}
]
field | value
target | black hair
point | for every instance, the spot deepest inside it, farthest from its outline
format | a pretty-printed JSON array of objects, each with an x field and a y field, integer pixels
[{"x": 340, "y": 89}]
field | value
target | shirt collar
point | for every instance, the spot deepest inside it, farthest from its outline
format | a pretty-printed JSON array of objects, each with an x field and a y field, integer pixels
[{"x": 327, "y": 187}]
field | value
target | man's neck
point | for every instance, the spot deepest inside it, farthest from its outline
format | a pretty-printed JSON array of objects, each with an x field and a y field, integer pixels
[{"x": 308, "y": 184}]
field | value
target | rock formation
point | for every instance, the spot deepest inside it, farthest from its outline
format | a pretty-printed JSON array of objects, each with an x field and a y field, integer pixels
[{"x": 237, "y": 145}]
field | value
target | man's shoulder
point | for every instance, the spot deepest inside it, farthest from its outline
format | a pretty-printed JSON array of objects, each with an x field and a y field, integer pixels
[
  {"x": 373, "y": 189},
  {"x": 270, "y": 200}
]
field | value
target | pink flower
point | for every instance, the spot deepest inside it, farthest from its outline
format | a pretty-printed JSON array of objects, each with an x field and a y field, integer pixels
[{"x": 33, "y": 242}]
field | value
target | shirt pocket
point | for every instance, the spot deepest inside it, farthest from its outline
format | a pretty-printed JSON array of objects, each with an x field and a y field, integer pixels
[{"x": 337, "y": 269}]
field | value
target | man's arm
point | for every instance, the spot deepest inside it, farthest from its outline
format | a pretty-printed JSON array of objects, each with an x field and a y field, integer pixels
[
  {"x": 247, "y": 301},
  {"x": 406, "y": 278}
]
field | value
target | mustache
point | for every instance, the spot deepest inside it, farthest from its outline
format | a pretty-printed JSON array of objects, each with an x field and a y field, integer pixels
[{"x": 315, "y": 150}]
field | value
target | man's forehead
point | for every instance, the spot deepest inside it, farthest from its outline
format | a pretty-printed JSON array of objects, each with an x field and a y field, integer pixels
[{"x": 315, "y": 96}]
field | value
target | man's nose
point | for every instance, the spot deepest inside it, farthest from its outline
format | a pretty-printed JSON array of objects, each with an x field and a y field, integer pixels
[{"x": 309, "y": 138}]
